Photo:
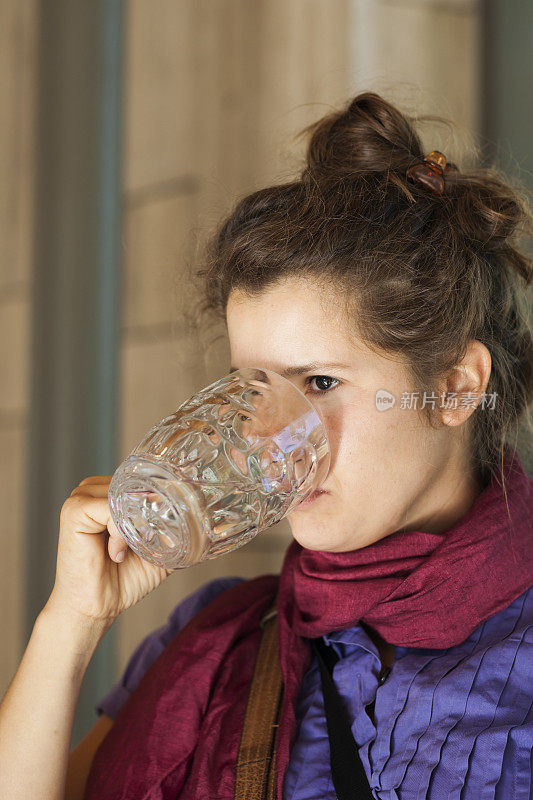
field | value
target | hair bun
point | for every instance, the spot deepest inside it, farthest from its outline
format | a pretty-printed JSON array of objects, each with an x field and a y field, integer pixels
[{"x": 368, "y": 135}]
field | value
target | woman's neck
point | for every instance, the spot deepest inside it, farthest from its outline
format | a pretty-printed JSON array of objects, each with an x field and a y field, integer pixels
[{"x": 446, "y": 500}]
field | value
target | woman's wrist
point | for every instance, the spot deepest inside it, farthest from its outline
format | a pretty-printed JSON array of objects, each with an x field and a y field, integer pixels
[{"x": 80, "y": 634}]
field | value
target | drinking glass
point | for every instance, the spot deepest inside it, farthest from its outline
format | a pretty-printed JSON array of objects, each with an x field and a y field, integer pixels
[{"x": 232, "y": 460}]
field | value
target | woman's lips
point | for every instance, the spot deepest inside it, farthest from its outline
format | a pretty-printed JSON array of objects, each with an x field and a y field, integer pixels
[{"x": 312, "y": 497}]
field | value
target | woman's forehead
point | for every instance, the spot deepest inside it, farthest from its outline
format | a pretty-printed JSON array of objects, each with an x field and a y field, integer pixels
[{"x": 295, "y": 324}]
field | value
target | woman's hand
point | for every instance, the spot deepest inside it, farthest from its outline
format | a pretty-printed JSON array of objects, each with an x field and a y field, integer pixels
[{"x": 90, "y": 581}]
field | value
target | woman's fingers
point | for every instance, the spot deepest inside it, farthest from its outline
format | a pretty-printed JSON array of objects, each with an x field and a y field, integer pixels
[
  {"x": 116, "y": 543},
  {"x": 86, "y": 581},
  {"x": 94, "y": 488}
]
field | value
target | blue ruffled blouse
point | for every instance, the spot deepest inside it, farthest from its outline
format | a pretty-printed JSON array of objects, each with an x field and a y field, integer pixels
[{"x": 451, "y": 724}]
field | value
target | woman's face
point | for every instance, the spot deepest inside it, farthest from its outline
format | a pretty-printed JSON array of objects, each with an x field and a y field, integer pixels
[{"x": 389, "y": 470}]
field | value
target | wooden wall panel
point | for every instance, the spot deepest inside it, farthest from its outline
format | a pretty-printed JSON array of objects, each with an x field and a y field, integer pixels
[
  {"x": 13, "y": 499},
  {"x": 18, "y": 43},
  {"x": 18, "y": 61},
  {"x": 157, "y": 238}
]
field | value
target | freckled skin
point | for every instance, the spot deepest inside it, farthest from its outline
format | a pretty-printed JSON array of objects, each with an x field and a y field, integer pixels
[{"x": 389, "y": 470}]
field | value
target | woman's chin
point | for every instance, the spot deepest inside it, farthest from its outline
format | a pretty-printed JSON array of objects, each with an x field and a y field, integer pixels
[
  {"x": 310, "y": 537},
  {"x": 314, "y": 534}
]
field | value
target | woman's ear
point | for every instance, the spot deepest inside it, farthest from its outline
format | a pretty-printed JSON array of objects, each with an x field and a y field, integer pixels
[{"x": 465, "y": 384}]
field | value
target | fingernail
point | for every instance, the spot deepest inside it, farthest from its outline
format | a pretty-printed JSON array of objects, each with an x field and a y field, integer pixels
[{"x": 120, "y": 556}]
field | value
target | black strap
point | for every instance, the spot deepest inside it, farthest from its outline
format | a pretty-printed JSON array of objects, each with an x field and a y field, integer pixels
[{"x": 347, "y": 771}]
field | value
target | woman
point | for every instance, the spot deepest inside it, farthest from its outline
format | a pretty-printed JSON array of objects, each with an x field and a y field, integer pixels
[{"x": 397, "y": 281}]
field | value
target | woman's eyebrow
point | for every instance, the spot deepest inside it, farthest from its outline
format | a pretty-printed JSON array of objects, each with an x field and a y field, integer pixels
[{"x": 300, "y": 369}]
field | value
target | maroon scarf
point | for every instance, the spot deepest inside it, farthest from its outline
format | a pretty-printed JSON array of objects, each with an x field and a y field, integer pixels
[{"x": 178, "y": 734}]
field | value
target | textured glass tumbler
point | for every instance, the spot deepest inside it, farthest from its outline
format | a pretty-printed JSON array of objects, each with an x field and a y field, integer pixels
[{"x": 232, "y": 460}]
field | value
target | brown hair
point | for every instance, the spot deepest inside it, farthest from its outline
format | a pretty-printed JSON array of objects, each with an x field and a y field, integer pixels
[{"x": 421, "y": 274}]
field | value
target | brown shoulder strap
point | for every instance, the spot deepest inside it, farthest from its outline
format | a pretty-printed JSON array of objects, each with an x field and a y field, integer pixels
[{"x": 255, "y": 777}]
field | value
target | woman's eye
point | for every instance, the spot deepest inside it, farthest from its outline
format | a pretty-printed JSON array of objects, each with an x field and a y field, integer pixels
[{"x": 321, "y": 379}]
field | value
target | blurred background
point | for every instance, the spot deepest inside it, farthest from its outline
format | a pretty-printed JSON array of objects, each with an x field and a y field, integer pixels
[{"x": 127, "y": 130}]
